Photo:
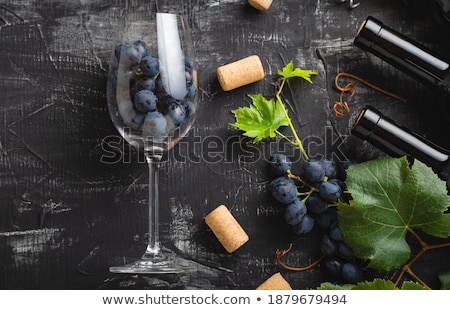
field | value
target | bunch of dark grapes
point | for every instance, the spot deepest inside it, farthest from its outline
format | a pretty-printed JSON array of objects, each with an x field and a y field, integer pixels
[
  {"x": 310, "y": 201},
  {"x": 142, "y": 100}
]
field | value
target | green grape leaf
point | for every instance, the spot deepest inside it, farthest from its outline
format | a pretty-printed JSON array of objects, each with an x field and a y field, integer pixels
[
  {"x": 390, "y": 197},
  {"x": 375, "y": 284},
  {"x": 327, "y": 286},
  {"x": 409, "y": 285},
  {"x": 288, "y": 71},
  {"x": 382, "y": 284},
  {"x": 261, "y": 119},
  {"x": 444, "y": 277}
]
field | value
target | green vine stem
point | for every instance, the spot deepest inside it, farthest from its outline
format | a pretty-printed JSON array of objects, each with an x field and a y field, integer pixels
[{"x": 297, "y": 141}]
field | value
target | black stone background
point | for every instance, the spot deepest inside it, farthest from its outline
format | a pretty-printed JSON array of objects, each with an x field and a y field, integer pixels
[{"x": 66, "y": 216}]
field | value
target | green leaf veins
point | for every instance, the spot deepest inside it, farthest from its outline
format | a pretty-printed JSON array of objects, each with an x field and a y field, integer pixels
[
  {"x": 261, "y": 119},
  {"x": 389, "y": 198}
]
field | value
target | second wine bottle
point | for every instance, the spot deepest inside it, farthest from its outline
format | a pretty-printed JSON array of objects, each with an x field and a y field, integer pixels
[{"x": 407, "y": 55}]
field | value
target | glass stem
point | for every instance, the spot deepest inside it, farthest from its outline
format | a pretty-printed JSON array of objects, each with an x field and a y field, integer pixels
[{"x": 153, "y": 247}]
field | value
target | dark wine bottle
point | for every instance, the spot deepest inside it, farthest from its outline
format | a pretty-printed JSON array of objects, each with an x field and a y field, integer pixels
[
  {"x": 441, "y": 8},
  {"x": 397, "y": 140},
  {"x": 407, "y": 55}
]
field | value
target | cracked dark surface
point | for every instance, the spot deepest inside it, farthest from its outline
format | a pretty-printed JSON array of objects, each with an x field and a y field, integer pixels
[{"x": 65, "y": 216}]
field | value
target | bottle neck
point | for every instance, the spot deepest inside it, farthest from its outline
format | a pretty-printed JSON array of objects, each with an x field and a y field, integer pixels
[
  {"x": 403, "y": 53},
  {"x": 397, "y": 140},
  {"x": 443, "y": 8}
]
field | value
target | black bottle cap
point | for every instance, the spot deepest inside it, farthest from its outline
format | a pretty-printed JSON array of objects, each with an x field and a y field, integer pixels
[
  {"x": 397, "y": 140},
  {"x": 366, "y": 123},
  {"x": 402, "y": 52},
  {"x": 368, "y": 33}
]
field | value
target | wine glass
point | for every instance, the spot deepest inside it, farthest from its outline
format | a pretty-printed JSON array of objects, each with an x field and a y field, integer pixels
[{"x": 152, "y": 101}]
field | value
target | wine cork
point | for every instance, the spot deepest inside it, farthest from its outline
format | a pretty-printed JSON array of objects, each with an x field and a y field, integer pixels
[
  {"x": 240, "y": 73},
  {"x": 261, "y": 5},
  {"x": 227, "y": 230},
  {"x": 275, "y": 282}
]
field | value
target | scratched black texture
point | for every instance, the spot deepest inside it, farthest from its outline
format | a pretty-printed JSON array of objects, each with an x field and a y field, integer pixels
[{"x": 66, "y": 215}]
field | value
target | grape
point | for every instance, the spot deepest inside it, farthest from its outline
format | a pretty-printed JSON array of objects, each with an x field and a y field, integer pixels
[
  {"x": 338, "y": 182},
  {"x": 335, "y": 232},
  {"x": 149, "y": 66},
  {"x": 305, "y": 210},
  {"x": 191, "y": 91},
  {"x": 165, "y": 100},
  {"x": 284, "y": 190},
  {"x": 344, "y": 250},
  {"x": 327, "y": 218},
  {"x": 330, "y": 168},
  {"x": 351, "y": 273},
  {"x": 330, "y": 191},
  {"x": 189, "y": 63},
  {"x": 146, "y": 83},
  {"x": 294, "y": 212},
  {"x": 314, "y": 170},
  {"x": 128, "y": 54},
  {"x": 191, "y": 88},
  {"x": 328, "y": 246},
  {"x": 333, "y": 265},
  {"x": 176, "y": 111},
  {"x": 189, "y": 76},
  {"x": 140, "y": 45},
  {"x": 316, "y": 204},
  {"x": 145, "y": 101},
  {"x": 280, "y": 164},
  {"x": 138, "y": 120},
  {"x": 305, "y": 226},
  {"x": 155, "y": 125},
  {"x": 189, "y": 107}
]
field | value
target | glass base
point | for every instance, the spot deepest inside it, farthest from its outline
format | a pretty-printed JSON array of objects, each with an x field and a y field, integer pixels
[{"x": 151, "y": 266}]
